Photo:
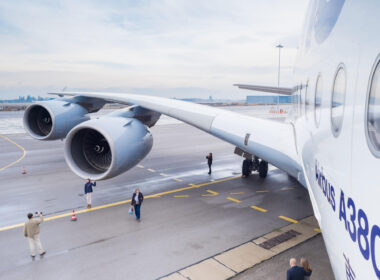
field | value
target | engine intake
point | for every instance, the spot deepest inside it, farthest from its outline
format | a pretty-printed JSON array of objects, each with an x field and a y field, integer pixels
[
  {"x": 104, "y": 148},
  {"x": 50, "y": 120}
]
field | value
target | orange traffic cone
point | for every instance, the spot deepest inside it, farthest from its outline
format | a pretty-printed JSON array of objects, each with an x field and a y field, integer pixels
[
  {"x": 23, "y": 170},
  {"x": 73, "y": 218}
]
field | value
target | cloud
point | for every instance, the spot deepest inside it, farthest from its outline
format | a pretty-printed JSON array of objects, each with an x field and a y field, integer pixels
[{"x": 161, "y": 44}]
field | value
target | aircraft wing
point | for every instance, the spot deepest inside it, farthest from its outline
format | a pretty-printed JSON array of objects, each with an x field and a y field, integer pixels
[
  {"x": 278, "y": 90},
  {"x": 271, "y": 141}
]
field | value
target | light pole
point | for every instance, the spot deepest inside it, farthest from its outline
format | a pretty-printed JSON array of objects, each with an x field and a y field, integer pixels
[
  {"x": 279, "y": 46},
  {"x": 279, "y": 63}
]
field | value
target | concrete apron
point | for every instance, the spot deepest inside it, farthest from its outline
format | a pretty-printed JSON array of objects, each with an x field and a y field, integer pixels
[{"x": 236, "y": 260}]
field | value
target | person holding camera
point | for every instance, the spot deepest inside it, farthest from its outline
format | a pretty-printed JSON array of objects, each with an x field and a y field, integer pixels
[
  {"x": 32, "y": 232},
  {"x": 209, "y": 162},
  {"x": 88, "y": 191}
]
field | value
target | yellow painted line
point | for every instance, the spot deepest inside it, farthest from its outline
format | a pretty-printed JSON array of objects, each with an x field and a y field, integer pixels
[
  {"x": 178, "y": 180},
  {"x": 237, "y": 193},
  {"x": 287, "y": 189},
  {"x": 19, "y": 146},
  {"x": 156, "y": 196},
  {"x": 191, "y": 184},
  {"x": 140, "y": 166},
  {"x": 211, "y": 193},
  {"x": 317, "y": 230},
  {"x": 288, "y": 219},
  {"x": 123, "y": 202},
  {"x": 262, "y": 191},
  {"x": 259, "y": 209},
  {"x": 163, "y": 174},
  {"x": 233, "y": 199},
  {"x": 151, "y": 170},
  {"x": 181, "y": 195}
]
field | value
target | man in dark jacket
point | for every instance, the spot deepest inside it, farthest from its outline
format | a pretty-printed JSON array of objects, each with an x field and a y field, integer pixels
[
  {"x": 209, "y": 162},
  {"x": 296, "y": 272},
  {"x": 137, "y": 200},
  {"x": 88, "y": 191}
]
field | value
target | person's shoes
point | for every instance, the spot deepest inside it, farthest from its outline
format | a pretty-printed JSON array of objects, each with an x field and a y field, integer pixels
[
  {"x": 43, "y": 253},
  {"x": 33, "y": 257},
  {"x": 209, "y": 173},
  {"x": 89, "y": 206}
]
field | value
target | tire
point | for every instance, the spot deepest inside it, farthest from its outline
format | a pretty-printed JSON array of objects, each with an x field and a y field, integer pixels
[
  {"x": 263, "y": 169},
  {"x": 246, "y": 168}
]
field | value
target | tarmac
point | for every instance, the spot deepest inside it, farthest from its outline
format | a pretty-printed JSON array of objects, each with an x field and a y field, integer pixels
[{"x": 188, "y": 216}]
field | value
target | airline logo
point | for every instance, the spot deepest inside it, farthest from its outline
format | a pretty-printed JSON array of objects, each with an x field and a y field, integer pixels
[{"x": 354, "y": 219}]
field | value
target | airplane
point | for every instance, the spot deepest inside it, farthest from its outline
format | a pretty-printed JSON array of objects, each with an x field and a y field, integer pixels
[{"x": 330, "y": 143}]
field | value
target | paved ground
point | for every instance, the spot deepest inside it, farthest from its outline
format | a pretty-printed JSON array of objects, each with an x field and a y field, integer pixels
[
  {"x": 275, "y": 268},
  {"x": 177, "y": 229}
]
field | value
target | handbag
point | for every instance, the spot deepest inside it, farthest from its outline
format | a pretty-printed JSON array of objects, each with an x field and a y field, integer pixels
[{"x": 131, "y": 210}]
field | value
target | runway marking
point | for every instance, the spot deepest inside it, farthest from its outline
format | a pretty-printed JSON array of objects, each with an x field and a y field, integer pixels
[
  {"x": 185, "y": 195},
  {"x": 151, "y": 170},
  {"x": 123, "y": 202},
  {"x": 259, "y": 209},
  {"x": 163, "y": 174},
  {"x": 288, "y": 219},
  {"x": 178, "y": 180},
  {"x": 287, "y": 189},
  {"x": 211, "y": 193},
  {"x": 317, "y": 230},
  {"x": 19, "y": 159},
  {"x": 237, "y": 193},
  {"x": 140, "y": 166},
  {"x": 262, "y": 191},
  {"x": 233, "y": 199}
]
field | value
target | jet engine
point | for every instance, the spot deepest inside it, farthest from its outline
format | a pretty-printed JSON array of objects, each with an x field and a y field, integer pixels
[
  {"x": 50, "y": 120},
  {"x": 106, "y": 147}
]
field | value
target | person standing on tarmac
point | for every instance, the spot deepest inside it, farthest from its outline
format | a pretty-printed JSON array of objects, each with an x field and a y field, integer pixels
[
  {"x": 137, "y": 200},
  {"x": 209, "y": 162},
  {"x": 88, "y": 191},
  {"x": 32, "y": 232}
]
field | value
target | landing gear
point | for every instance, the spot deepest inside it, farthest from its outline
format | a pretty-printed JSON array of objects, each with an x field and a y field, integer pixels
[
  {"x": 263, "y": 169},
  {"x": 254, "y": 165},
  {"x": 247, "y": 167}
]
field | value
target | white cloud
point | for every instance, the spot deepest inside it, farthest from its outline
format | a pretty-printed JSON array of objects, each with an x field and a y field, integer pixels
[{"x": 206, "y": 45}]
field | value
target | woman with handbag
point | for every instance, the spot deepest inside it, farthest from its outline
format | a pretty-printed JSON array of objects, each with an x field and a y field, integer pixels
[{"x": 137, "y": 200}]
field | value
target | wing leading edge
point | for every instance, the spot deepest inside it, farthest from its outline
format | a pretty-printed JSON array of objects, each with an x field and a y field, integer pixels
[{"x": 270, "y": 140}]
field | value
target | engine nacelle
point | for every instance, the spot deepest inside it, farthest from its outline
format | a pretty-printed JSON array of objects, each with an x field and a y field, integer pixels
[
  {"x": 50, "y": 120},
  {"x": 106, "y": 147}
]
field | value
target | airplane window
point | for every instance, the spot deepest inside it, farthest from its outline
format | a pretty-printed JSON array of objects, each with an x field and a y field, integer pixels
[
  {"x": 301, "y": 99},
  {"x": 337, "y": 102},
  {"x": 373, "y": 113},
  {"x": 317, "y": 101},
  {"x": 306, "y": 99}
]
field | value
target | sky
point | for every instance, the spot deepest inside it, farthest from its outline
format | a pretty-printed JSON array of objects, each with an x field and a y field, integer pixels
[{"x": 171, "y": 48}]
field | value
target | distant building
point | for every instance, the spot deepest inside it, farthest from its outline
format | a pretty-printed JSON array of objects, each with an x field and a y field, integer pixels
[{"x": 268, "y": 99}]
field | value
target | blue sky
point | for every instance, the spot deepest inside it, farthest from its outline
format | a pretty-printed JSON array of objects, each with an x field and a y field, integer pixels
[{"x": 168, "y": 48}]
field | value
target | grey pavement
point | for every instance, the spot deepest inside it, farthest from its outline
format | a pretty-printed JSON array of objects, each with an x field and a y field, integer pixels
[
  {"x": 175, "y": 231},
  {"x": 314, "y": 250}
]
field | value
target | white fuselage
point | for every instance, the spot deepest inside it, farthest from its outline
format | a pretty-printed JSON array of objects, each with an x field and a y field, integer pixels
[{"x": 341, "y": 172}]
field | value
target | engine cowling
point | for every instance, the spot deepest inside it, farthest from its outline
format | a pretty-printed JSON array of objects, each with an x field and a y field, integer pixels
[
  {"x": 50, "y": 120},
  {"x": 104, "y": 148}
]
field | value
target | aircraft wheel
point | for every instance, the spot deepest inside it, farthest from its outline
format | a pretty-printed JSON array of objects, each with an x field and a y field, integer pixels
[
  {"x": 263, "y": 169},
  {"x": 246, "y": 168}
]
